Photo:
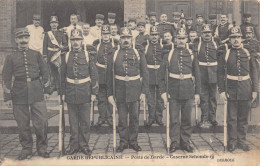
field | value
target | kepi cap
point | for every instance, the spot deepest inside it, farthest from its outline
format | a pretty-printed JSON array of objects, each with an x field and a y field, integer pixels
[
  {"x": 21, "y": 32},
  {"x": 111, "y": 15},
  {"x": 100, "y": 16},
  {"x": 54, "y": 19}
]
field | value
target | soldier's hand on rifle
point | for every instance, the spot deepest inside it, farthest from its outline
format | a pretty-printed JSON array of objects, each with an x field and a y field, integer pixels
[
  {"x": 46, "y": 96},
  {"x": 93, "y": 97},
  {"x": 9, "y": 104},
  {"x": 111, "y": 100},
  {"x": 223, "y": 96},
  {"x": 164, "y": 97},
  {"x": 197, "y": 99},
  {"x": 254, "y": 95},
  {"x": 142, "y": 96}
]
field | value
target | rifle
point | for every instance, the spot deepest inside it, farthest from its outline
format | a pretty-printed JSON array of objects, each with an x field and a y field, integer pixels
[
  {"x": 92, "y": 113},
  {"x": 196, "y": 113},
  {"x": 61, "y": 117},
  {"x": 114, "y": 112},
  {"x": 167, "y": 113},
  {"x": 225, "y": 112},
  {"x": 145, "y": 118}
]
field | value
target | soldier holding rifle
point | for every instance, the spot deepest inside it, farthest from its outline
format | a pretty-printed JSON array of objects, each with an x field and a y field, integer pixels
[{"x": 127, "y": 81}]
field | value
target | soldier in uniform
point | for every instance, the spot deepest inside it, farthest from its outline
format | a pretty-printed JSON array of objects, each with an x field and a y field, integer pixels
[
  {"x": 141, "y": 38},
  {"x": 26, "y": 93},
  {"x": 130, "y": 86},
  {"x": 240, "y": 88},
  {"x": 189, "y": 25},
  {"x": 153, "y": 21},
  {"x": 164, "y": 26},
  {"x": 79, "y": 74},
  {"x": 198, "y": 26},
  {"x": 254, "y": 47},
  {"x": 153, "y": 55},
  {"x": 103, "y": 46},
  {"x": 74, "y": 24},
  {"x": 132, "y": 26},
  {"x": 182, "y": 64},
  {"x": 114, "y": 32},
  {"x": 222, "y": 29},
  {"x": 213, "y": 22},
  {"x": 54, "y": 41},
  {"x": 247, "y": 22},
  {"x": 206, "y": 47},
  {"x": 95, "y": 31},
  {"x": 176, "y": 20}
]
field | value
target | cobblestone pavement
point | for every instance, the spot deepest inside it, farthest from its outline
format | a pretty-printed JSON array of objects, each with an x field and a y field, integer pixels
[{"x": 151, "y": 144}]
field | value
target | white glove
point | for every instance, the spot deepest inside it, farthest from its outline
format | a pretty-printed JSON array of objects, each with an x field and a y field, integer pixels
[
  {"x": 93, "y": 97},
  {"x": 223, "y": 96},
  {"x": 164, "y": 97},
  {"x": 142, "y": 96},
  {"x": 254, "y": 95},
  {"x": 197, "y": 99},
  {"x": 112, "y": 101}
]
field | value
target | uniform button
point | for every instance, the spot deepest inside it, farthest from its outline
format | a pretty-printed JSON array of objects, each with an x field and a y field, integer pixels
[{"x": 27, "y": 72}]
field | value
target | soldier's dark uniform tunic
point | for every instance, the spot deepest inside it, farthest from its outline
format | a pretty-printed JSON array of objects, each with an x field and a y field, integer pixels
[
  {"x": 104, "y": 108},
  {"x": 222, "y": 31},
  {"x": 30, "y": 74},
  {"x": 165, "y": 27},
  {"x": 198, "y": 29},
  {"x": 50, "y": 47},
  {"x": 182, "y": 64},
  {"x": 131, "y": 79},
  {"x": 141, "y": 38},
  {"x": 241, "y": 81},
  {"x": 243, "y": 30},
  {"x": 80, "y": 77},
  {"x": 154, "y": 58},
  {"x": 207, "y": 56}
]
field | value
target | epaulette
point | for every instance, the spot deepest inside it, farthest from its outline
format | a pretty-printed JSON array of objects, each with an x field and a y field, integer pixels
[
  {"x": 91, "y": 49},
  {"x": 96, "y": 42}
]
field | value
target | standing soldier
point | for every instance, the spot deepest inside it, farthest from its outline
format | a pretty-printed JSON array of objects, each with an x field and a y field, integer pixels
[
  {"x": 213, "y": 22},
  {"x": 206, "y": 47},
  {"x": 54, "y": 41},
  {"x": 164, "y": 26},
  {"x": 153, "y": 21},
  {"x": 30, "y": 76},
  {"x": 80, "y": 77},
  {"x": 95, "y": 31},
  {"x": 254, "y": 47},
  {"x": 198, "y": 26},
  {"x": 141, "y": 38},
  {"x": 114, "y": 32},
  {"x": 189, "y": 25},
  {"x": 153, "y": 55},
  {"x": 103, "y": 46},
  {"x": 246, "y": 23},
  {"x": 176, "y": 20},
  {"x": 36, "y": 34},
  {"x": 222, "y": 29},
  {"x": 239, "y": 88},
  {"x": 181, "y": 65},
  {"x": 168, "y": 45},
  {"x": 127, "y": 66}
]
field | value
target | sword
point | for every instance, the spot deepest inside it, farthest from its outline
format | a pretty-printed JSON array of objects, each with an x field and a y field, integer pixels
[
  {"x": 167, "y": 114},
  {"x": 92, "y": 113},
  {"x": 145, "y": 119},
  {"x": 225, "y": 125}
]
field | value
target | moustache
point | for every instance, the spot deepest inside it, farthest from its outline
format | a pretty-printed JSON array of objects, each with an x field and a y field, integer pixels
[
  {"x": 23, "y": 42},
  {"x": 125, "y": 42}
]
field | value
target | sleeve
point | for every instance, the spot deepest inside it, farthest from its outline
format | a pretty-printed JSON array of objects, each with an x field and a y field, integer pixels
[
  {"x": 109, "y": 74},
  {"x": 44, "y": 73},
  {"x": 254, "y": 74},
  {"x": 221, "y": 69},
  {"x": 196, "y": 73},
  {"x": 64, "y": 44},
  {"x": 45, "y": 47},
  {"x": 63, "y": 70},
  {"x": 93, "y": 73},
  {"x": 7, "y": 73},
  {"x": 144, "y": 74},
  {"x": 162, "y": 75}
]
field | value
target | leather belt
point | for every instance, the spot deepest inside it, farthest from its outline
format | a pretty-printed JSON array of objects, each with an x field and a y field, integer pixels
[
  {"x": 127, "y": 78},
  {"x": 81, "y": 81},
  {"x": 53, "y": 49},
  {"x": 180, "y": 76},
  {"x": 26, "y": 79},
  {"x": 208, "y": 63},
  {"x": 153, "y": 66},
  {"x": 101, "y": 65},
  {"x": 238, "y": 78}
]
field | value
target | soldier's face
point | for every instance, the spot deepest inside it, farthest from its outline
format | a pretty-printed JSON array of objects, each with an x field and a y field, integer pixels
[
  {"x": 86, "y": 29},
  {"x": 132, "y": 24},
  {"x": 76, "y": 44},
  {"x": 154, "y": 37},
  {"x": 189, "y": 22},
  {"x": 113, "y": 30},
  {"x": 73, "y": 19},
  {"x": 213, "y": 21},
  {"x": 111, "y": 20},
  {"x": 36, "y": 22},
  {"x": 248, "y": 20},
  {"x": 176, "y": 18},
  {"x": 152, "y": 19},
  {"x": 236, "y": 41},
  {"x": 126, "y": 41},
  {"x": 206, "y": 35},
  {"x": 99, "y": 22},
  {"x": 193, "y": 36},
  {"x": 223, "y": 19},
  {"x": 163, "y": 18},
  {"x": 22, "y": 41},
  {"x": 199, "y": 20},
  {"x": 167, "y": 37},
  {"x": 141, "y": 28},
  {"x": 105, "y": 36},
  {"x": 181, "y": 42},
  {"x": 249, "y": 35},
  {"x": 54, "y": 25}
]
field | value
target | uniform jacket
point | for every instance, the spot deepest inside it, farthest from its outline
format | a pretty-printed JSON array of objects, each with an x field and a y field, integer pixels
[
  {"x": 165, "y": 27},
  {"x": 222, "y": 31},
  {"x": 243, "y": 29},
  {"x": 127, "y": 63},
  {"x": 238, "y": 63},
  {"x": 102, "y": 55},
  {"x": 180, "y": 62},
  {"x": 207, "y": 53},
  {"x": 141, "y": 38},
  {"x": 78, "y": 67},
  {"x": 22, "y": 65},
  {"x": 198, "y": 29},
  {"x": 154, "y": 57}
]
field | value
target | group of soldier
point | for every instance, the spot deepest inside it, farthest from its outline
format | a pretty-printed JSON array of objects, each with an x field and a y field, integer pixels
[{"x": 169, "y": 64}]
